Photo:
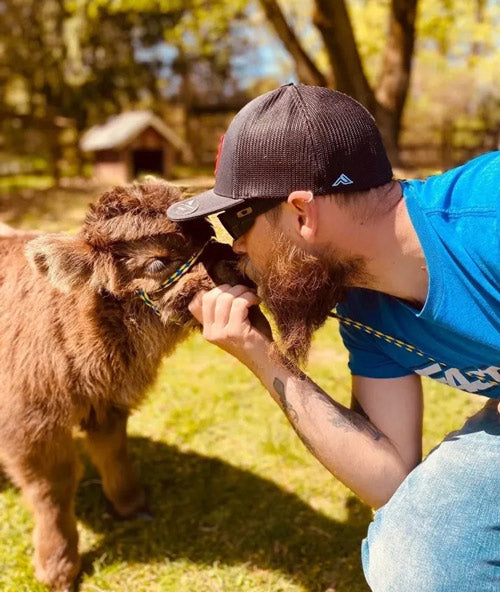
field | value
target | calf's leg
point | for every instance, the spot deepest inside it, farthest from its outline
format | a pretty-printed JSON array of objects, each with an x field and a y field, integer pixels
[
  {"x": 48, "y": 473},
  {"x": 107, "y": 446}
]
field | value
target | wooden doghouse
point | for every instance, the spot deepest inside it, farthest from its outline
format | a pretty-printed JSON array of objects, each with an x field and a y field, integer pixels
[{"x": 131, "y": 144}]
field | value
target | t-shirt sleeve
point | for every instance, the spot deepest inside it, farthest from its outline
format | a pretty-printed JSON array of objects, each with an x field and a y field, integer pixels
[{"x": 366, "y": 358}]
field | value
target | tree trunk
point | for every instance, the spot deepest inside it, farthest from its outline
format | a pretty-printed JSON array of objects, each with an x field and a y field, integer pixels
[
  {"x": 332, "y": 20},
  {"x": 386, "y": 101},
  {"x": 394, "y": 79}
]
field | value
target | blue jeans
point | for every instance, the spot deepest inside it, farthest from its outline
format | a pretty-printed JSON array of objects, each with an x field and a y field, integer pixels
[{"x": 440, "y": 531}]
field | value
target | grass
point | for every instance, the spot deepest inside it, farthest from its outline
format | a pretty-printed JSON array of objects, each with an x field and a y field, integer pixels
[{"x": 239, "y": 504}]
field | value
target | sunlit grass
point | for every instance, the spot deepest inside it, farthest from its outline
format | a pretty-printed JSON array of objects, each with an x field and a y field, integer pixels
[{"x": 239, "y": 504}]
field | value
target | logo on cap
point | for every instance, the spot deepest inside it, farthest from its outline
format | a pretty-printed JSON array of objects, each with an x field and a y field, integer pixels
[
  {"x": 342, "y": 180},
  {"x": 185, "y": 208},
  {"x": 244, "y": 212}
]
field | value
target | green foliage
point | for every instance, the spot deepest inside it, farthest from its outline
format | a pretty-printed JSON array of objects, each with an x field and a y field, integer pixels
[
  {"x": 455, "y": 64},
  {"x": 94, "y": 7},
  {"x": 80, "y": 58},
  {"x": 455, "y": 76},
  {"x": 209, "y": 38},
  {"x": 75, "y": 62},
  {"x": 457, "y": 27}
]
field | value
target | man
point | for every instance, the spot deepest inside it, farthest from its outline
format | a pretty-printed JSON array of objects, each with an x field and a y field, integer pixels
[{"x": 306, "y": 190}]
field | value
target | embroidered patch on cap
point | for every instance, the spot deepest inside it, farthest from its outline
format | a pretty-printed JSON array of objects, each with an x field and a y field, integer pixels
[{"x": 342, "y": 180}]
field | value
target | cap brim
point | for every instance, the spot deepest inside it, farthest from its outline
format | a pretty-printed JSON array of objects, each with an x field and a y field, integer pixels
[{"x": 201, "y": 205}]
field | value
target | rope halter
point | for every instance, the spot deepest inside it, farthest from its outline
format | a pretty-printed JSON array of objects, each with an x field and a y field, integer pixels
[{"x": 178, "y": 273}]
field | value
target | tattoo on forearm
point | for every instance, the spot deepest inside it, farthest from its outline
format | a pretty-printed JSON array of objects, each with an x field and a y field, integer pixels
[
  {"x": 340, "y": 417},
  {"x": 291, "y": 414},
  {"x": 354, "y": 418},
  {"x": 343, "y": 418}
]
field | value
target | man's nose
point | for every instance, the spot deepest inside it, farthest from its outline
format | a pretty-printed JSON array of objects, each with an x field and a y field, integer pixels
[{"x": 239, "y": 246}]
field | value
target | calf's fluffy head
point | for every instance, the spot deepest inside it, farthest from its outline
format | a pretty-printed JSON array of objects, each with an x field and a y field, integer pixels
[{"x": 127, "y": 244}]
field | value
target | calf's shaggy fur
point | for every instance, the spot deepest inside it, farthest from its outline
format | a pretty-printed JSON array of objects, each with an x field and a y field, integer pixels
[{"x": 79, "y": 348}]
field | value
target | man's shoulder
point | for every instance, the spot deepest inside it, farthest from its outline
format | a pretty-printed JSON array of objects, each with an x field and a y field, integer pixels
[{"x": 471, "y": 187}]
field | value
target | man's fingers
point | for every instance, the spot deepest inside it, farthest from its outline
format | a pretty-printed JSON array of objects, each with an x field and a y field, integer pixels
[
  {"x": 222, "y": 309},
  {"x": 195, "y": 307},
  {"x": 239, "y": 310},
  {"x": 209, "y": 301},
  {"x": 225, "y": 302},
  {"x": 224, "y": 314},
  {"x": 213, "y": 307}
]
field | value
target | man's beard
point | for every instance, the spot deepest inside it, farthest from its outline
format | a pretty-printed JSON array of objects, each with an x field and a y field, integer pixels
[{"x": 300, "y": 289}]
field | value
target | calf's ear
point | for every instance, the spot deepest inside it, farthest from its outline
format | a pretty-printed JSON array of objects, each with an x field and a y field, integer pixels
[{"x": 66, "y": 261}]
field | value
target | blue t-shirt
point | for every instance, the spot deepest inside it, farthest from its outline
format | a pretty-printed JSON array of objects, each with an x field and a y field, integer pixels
[{"x": 455, "y": 337}]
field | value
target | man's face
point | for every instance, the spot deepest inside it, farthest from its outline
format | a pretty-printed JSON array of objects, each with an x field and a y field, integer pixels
[{"x": 299, "y": 287}]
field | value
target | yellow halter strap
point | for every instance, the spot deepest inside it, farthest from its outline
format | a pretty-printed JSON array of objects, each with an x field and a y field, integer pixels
[{"x": 178, "y": 273}]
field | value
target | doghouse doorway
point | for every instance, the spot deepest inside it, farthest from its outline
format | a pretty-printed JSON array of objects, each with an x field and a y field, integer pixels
[{"x": 148, "y": 161}]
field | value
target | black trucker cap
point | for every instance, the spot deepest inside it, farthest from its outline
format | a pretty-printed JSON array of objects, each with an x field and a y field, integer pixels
[{"x": 297, "y": 137}]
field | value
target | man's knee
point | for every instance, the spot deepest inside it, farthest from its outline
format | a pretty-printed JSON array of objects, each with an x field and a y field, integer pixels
[
  {"x": 395, "y": 559},
  {"x": 440, "y": 532},
  {"x": 404, "y": 559}
]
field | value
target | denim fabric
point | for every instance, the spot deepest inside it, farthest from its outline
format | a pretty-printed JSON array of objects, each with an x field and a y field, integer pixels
[{"x": 440, "y": 531}]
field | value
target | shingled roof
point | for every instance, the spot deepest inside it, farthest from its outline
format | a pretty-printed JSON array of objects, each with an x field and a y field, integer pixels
[{"x": 120, "y": 130}]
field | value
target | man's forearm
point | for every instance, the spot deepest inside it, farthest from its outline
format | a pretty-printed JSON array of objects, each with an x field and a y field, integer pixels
[
  {"x": 344, "y": 441},
  {"x": 347, "y": 444}
]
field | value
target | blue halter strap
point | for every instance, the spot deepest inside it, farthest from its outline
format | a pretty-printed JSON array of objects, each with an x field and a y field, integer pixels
[{"x": 178, "y": 273}]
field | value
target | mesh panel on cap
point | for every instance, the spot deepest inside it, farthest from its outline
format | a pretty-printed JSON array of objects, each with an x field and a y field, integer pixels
[
  {"x": 347, "y": 141},
  {"x": 274, "y": 155},
  {"x": 301, "y": 137}
]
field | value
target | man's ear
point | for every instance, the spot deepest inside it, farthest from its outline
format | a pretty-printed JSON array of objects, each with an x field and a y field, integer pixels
[
  {"x": 306, "y": 214},
  {"x": 66, "y": 261}
]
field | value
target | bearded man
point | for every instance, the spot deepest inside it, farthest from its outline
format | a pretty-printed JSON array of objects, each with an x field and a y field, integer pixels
[{"x": 304, "y": 187}]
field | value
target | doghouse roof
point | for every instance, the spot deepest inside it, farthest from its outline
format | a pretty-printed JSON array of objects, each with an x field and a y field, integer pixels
[{"x": 120, "y": 130}]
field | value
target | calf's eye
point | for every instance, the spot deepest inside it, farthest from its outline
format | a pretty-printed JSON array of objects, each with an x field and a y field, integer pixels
[{"x": 156, "y": 266}]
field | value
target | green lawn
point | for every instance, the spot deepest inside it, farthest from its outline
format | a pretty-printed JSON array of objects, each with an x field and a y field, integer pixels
[{"x": 239, "y": 504}]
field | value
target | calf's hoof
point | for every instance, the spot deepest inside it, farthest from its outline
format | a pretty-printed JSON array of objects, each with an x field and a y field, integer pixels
[
  {"x": 144, "y": 516},
  {"x": 59, "y": 574},
  {"x": 131, "y": 505}
]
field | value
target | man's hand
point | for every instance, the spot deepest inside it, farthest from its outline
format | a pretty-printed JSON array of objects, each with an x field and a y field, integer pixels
[{"x": 224, "y": 314}]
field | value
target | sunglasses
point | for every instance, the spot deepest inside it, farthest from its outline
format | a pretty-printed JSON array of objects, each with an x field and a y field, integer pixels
[{"x": 238, "y": 221}]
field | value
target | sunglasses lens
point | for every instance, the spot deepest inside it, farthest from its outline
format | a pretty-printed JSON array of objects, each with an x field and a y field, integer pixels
[
  {"x": 239, "y": 221},
  {"x": 236, "y": 227}
]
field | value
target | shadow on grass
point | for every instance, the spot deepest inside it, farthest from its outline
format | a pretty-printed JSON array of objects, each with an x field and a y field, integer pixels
[{"x": 208, "y": 511}]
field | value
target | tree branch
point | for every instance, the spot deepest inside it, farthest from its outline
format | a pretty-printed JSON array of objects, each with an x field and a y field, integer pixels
[{"x": 307, "y": 71}]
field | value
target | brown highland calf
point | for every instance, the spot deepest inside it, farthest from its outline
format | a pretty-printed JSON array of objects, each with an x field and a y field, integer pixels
[{"x": 78, "y": 347}]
